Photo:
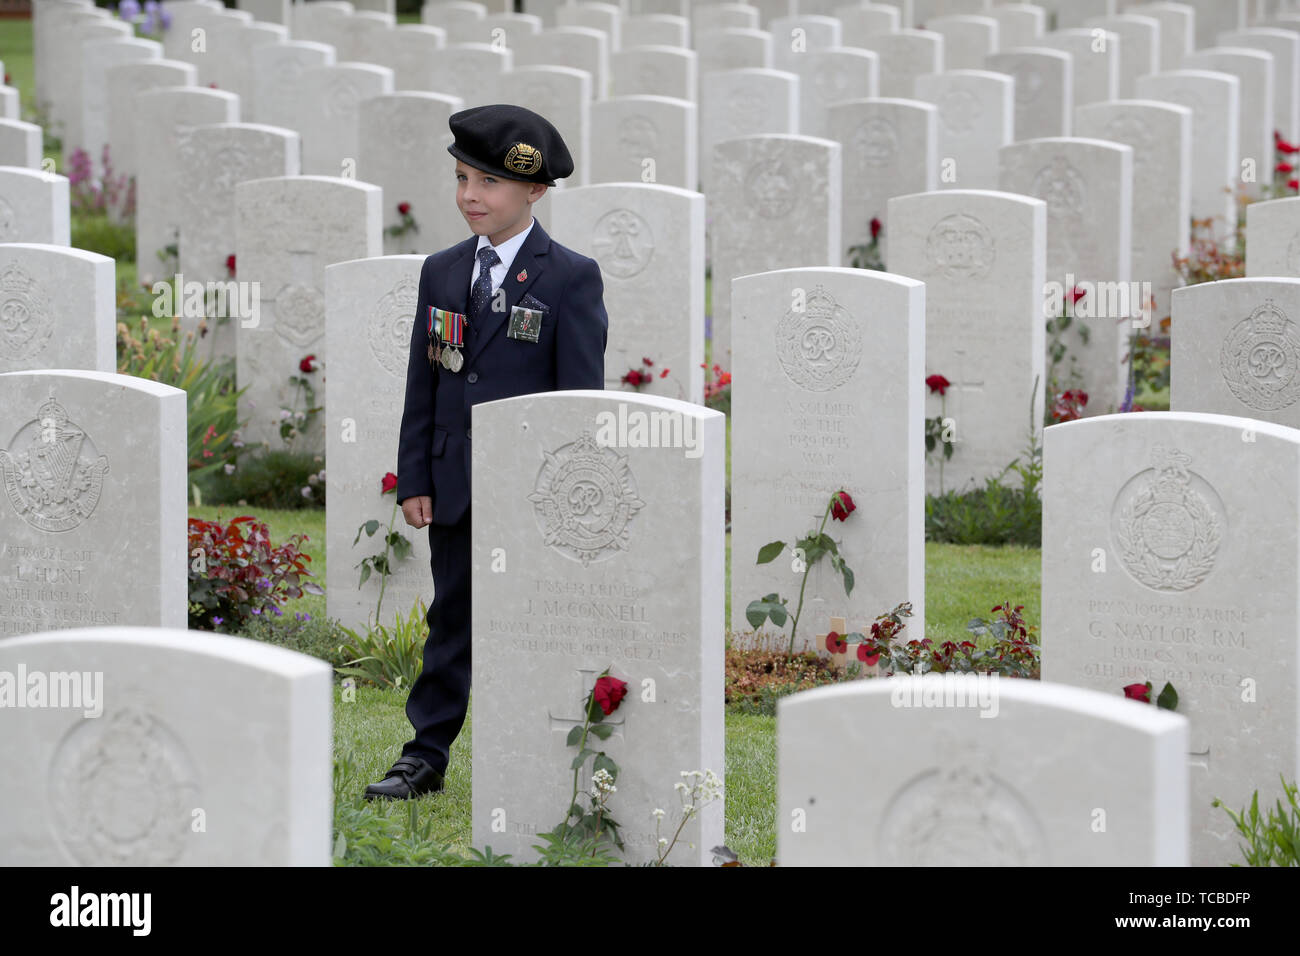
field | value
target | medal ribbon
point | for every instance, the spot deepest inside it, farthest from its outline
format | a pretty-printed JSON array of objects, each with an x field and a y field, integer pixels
[{"x": 449, "y": 326}]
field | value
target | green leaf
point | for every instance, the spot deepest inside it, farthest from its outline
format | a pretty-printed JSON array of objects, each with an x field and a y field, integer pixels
[
  {"x": 847, "y": 573},
  {"x": 756, "y": 613},
  {"x": 365, "y": 571},
  {"x": 604, "y": 763},
  {"x": 602, "y": 730},
  {"x": 769, "y": 552},
  {"x": 371, "y": 527},
  {"x": 574, "y": 738},
  {"x": 1168, "y": 698}
]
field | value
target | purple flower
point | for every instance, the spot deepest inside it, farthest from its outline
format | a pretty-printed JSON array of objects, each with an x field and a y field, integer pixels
[
  {"x": 218, "y": 621},
  {"x": 257, "y": 610},
  {"x": 263, "y": 582},
  {"x": 302, "y": 616},
  {"x": 1127, "y": 405},
  {"x": 147, "y": 24},
  {"x": 129, "y": 9},
  {"x": 276, "y": 609},
  {"x": 166, "y": 18},
  {"x": 151, "y": 6}
]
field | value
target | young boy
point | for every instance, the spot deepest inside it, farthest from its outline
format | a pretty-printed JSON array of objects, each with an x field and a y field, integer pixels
[{"x": 506, "y": 312}]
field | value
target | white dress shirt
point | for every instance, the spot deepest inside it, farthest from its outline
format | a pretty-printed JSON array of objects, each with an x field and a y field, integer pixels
[{"x": 505, "y": 252}]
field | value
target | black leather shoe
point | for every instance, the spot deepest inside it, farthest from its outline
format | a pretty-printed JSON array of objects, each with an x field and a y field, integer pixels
[{"x": 410, "y": 777}]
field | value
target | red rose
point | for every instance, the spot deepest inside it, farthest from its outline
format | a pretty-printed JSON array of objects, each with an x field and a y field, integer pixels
[
  {"x": 646, "y": 362},
  {"x": 308, "y": 364},
  {"x": 664, "y": 373},
  {"x": 1284, "y": 167},
  {"x": 724, "y": 378},
  {"x": 1076, "y": 294},
  {"x": 389, "y": 482},
  {"x": 836, "y": 644},
  {"x": 1294, "y": 184},
  {"x": 842, "y": 505},
  {"x": 1283, "y": 146},
  {"x": 866, "y": 658},
  {"x": 1140, "y": 692},
  {"x": 230, "y": 264},
  {"x": 403, "y": 208},
  {"x": 609, "y": 693},
  {"x": 938, "y": 384},
  {"x": 633, "y": 378},
  {"x": 875, "y": 229}
]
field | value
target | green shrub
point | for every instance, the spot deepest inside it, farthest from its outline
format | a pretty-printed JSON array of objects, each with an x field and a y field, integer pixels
[
  {"x": 387, "y": 656},
  {"x": 98, "y": 233},
  {"x": 320, "y": 637},
  {"x": 269, "y": 479},
  {"x": 996, "y": 513},
  {"x": 1274, "y": 838}
]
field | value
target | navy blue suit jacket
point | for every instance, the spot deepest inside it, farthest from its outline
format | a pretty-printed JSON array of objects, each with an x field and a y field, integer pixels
[{"x": 433, "y": 456}]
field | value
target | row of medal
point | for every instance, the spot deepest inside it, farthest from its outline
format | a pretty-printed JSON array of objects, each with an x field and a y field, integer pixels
[{"x": 447, "y": 329}]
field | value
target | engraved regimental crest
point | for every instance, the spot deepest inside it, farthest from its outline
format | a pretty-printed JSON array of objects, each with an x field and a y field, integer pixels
[
  {"x": 299, "y": 310},
  {"x": 1168, "y": 524},
  {"x": 105, "y": 810},
  {"x": 389, "y": 328},
  {"x": 875, "y": 144},
  {"x": 26, "y": 319},
  {"x": 525, "y": 159},
  {"x": 584, "y": 499},
  {"x": 960, "y": 815},
  {"x": 770, "y": 188},
  {"x": 1062, "y": 187},
  {"x": 623, "y": 243},
  {"x": 819, "y": 346},
  {"x": 960, "y": 247},
  {"x": 1260, "y": 358},
  {"x": 53, "y": 475}
]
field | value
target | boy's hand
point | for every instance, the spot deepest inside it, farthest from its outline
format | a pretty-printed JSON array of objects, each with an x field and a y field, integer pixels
[{"x": 418, "y": 511}]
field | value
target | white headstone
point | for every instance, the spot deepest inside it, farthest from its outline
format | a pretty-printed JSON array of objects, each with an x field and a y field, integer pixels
[
  {"x": 1238, "y": 349},
  {"x": 967, "y": 40},
  {"x": 582, "y": 593},
  {"x": 649, "y": 241},
  {"x": 287, "y": 231},
  {"x": 1019, "y": 24},
  {"x": 976, "y": 119},
  {"x": 605, "y": 17},
  {"x": 1088, "y": 187},
  {"x": 404, "y": 139},
  {"x": 744, "y": 103},
  {"x": 20, "y": 144},
  {"x": 471, "y": 72},
  {"x": 798, "y": 37},
  {"x": 34, "y": 206},
  {"x": 890, "y": 148},
  {"x": 1095, "y": 62},
  {"x": 164, "y": 116},
  {"x": 658, "y": 29},
  {"x": 830, "y": 409},
  {"x": 330, "y": 110},
  {"x": 579, "y": 48},
  {"x": 864, "y": 20},
  {"x": 237, "y": 735},
  {"x": 512, "y": 28},
  {"x": 1182, "y": 507},
  {"x": 1215, "y": 16},
  {"x": 1139, "y": 39},
  {"x": 1160, "y": 135},
  {"x": 233, "y": 48},
  {"x": 370, "y": 305},
  {"x": 982, "y": 256},
  {"x": 650, "y": 139},
  {"x": 60, "y": 308},
  {"x": 833, "y": 75},
  {"x": 1076, "y": 13},
  {"x": 1044, "y": 89},
  {"x": 776, "y": 203},
  {"x": 722, "y": 16},
  {"x": 1284, "y": 45},
  {"x": 1273, "y": 237},
  {"x": 952, "y": 789},
  {"x": 904, "y": 56},
  {"x": 451, "y": 13},
  {"x": 68, "y": 91},
  {"x": 93, "y": 521},
  {"x": 412, "y": 52},
  {"x": 733, "y": 50},
  {"x": 277, "y": 79},
  {"x": 1254, "y": 68},
  {"x": 1177, "y": 30},
  {"x": 125, "y": 81},
  {"x": 97, "y": 56},
  {"x": 1213, "y": 99},
  {"x": 653, "y": 71}
]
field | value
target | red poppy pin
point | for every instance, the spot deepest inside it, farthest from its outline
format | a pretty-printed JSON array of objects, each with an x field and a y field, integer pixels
[{"x": 522, "y": 275}]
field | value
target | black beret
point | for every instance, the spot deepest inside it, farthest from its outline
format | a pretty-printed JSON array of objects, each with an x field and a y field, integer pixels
[{"x": 510, "y": 141}]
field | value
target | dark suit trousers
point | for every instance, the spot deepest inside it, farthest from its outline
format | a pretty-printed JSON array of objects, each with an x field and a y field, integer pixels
[{"x": 439, "y": 698}]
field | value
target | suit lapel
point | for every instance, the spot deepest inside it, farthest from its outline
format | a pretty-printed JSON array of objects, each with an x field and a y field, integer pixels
[{"x": 529, "y": 262}]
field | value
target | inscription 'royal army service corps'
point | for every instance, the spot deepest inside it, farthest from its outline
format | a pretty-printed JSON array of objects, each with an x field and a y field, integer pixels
[
  {"x": 53, "y": 476},
  {"x": 1260, "y": 359}
]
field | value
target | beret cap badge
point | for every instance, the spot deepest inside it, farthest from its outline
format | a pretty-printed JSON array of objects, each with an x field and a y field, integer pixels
[{"x": 524, "y": 159}]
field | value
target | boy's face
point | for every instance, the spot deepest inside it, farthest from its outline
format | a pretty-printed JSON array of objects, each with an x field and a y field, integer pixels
[{"x": 494, "y": 206}]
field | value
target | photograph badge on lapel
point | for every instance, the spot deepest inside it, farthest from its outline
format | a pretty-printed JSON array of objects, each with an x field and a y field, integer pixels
[{"x": 526, "y": 320}]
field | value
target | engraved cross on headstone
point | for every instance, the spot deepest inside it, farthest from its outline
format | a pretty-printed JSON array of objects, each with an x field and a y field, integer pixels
[{"x": 586, "y": 680}]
